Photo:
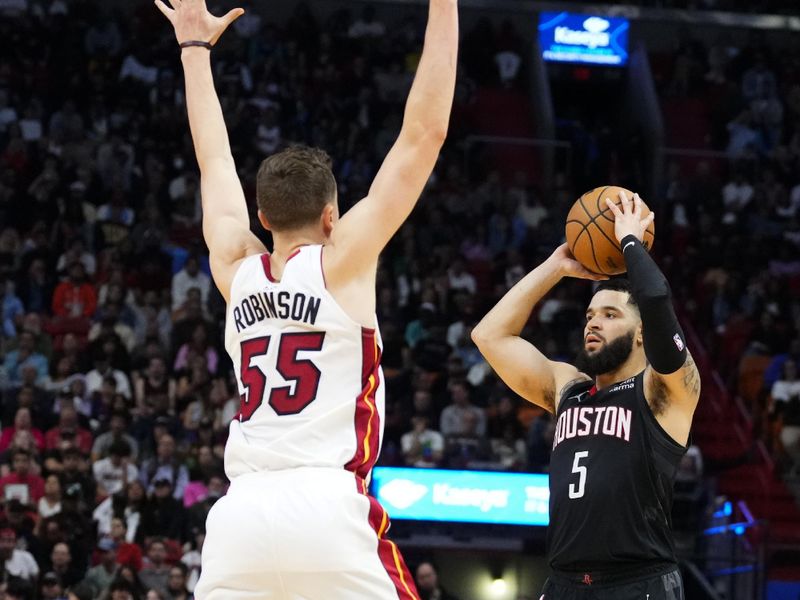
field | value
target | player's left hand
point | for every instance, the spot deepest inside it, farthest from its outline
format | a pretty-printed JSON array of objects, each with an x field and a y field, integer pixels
[
  {"x": 193, "y": 22},
  {"x": 629, "y": 221}
]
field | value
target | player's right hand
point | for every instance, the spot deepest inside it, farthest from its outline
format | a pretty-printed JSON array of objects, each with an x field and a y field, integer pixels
[
  {"x": 193, "y": 22},
  {"x": 566, "y": 265}
]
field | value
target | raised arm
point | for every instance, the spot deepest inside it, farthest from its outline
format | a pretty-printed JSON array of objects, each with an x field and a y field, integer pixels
[
  {"x": 518, "y": 362},
  {"x": 672, "y": 380},
  {"x": 362, "y": 233},
  {"x": 226, "y": 225}
]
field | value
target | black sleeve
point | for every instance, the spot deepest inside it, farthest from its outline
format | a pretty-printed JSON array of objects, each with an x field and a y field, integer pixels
[{"x": 664, "y": 343}]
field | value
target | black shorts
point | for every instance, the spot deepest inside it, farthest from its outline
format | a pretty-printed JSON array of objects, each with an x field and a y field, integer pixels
[{"x": 666, "y": 586}]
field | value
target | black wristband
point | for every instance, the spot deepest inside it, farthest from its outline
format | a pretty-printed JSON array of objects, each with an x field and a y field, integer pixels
[{"x": 190, "y": 43}]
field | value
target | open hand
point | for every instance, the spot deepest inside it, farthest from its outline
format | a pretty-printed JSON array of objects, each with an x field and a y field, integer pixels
[
  {"x": 567, "y": 266},
  {"x": 193, "y": 22},
  {"x": 629, "y": 221}
]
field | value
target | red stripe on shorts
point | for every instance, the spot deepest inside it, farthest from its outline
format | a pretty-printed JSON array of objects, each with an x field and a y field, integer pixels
[
  {"x": 389, "y": 554},
  {"x": 367, "y": 419}
]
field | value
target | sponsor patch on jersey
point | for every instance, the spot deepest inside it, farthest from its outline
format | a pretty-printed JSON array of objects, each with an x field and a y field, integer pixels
[{"x": 678, "y": 341}]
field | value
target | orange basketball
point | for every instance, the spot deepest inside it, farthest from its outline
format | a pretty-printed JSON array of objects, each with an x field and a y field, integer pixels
[{"x": 590, "y": 231}]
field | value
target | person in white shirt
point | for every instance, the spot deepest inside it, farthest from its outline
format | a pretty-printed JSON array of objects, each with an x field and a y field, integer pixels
[
  {"x": 422, "y": 447},
  {"x": 19, "y": 563},
  {"x": 50, "y": 503},
  {"x": 189, "y": 277},
  {"x": 114, "y": 472},
  {"x": 103, "y": 369}
]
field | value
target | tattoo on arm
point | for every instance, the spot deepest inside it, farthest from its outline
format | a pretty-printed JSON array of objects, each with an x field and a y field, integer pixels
[{"x": 691, "y": 377}]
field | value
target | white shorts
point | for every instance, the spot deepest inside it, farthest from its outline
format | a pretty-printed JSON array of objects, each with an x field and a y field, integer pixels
[{"x": 300, "y": 534}]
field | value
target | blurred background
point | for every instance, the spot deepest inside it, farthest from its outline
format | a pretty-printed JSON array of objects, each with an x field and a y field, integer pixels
[{"x": 116, "y": 390}]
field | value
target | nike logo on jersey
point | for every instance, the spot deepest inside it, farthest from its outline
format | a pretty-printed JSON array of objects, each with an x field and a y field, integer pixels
[{"x": 583, "y": 421}]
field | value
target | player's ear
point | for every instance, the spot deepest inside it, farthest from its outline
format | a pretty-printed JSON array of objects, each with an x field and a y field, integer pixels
[
  {"x": 262, "y": 218},
  {"x": 328, "y": 218},
  {"x": 638, "y": 335}
]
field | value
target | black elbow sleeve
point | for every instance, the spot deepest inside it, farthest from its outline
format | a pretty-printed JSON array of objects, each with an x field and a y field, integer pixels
[{"x": 664, "y": 342}]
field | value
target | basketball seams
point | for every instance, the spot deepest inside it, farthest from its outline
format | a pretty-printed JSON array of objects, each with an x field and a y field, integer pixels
[
  {"x": 594, "y": 257},
  {"x": 577, "y": 237},
  {"x": 593, "y": 217}
]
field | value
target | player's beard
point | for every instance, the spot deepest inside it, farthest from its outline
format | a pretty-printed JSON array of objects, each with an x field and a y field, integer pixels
[{"x": 609, "y": 358}]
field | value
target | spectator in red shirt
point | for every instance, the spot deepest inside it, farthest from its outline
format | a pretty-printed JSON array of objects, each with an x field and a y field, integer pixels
[
  {"x": 75, "y": 297},
  {"x": 22, "y": 422},
  {"x": 128, "y": 553},
  {"x": 22, "y": 483},
  {"x": 68, "y": 428}
]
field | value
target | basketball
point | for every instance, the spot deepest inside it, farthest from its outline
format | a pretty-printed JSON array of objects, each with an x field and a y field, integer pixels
[{"x": 590, "y": 231}]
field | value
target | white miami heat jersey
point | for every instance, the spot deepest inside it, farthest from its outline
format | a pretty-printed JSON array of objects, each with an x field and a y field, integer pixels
[{"x": 309, "y": 376}]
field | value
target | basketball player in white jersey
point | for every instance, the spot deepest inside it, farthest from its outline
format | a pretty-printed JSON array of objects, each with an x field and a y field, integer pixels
[{"x": 297, "y": 522}]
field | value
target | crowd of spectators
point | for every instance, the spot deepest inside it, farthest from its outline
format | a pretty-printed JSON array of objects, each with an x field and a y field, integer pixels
[{"x": 734, "y": 232}]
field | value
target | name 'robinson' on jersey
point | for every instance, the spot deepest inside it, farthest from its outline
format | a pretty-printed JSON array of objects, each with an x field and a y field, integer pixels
[{"x": 309, "y": 376}]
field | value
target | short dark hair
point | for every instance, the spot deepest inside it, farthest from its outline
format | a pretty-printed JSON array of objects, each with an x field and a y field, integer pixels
[
  {"x": 618, "y": 284},
  {"x": 294, "y": 185}
]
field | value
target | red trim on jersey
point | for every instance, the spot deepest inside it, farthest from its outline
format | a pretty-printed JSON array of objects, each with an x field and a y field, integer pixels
[
  {"x": 367, "y": 419},
  {"x": 593, "y": 390},
  {"x": 267, "y": 267},
  {"x": 292, "y": 255},
  {"x": 389, "y": 554}
]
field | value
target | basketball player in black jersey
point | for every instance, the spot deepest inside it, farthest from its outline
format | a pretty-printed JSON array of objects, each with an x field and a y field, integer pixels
[{"x": 623, "y": 414}]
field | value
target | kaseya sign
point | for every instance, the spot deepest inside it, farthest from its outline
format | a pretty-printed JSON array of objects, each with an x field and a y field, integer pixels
[
  {"x": 462, "y": 496},
  {"x": 576, "y": 38}
]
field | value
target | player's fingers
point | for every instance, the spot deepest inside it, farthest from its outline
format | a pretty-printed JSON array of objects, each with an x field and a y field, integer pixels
[
  {"x": 648, "y": 220},
  {"x": 164, "y": 9},
  {"x": 637, "y": 205},
  {"x": 614, "y": 208},
  {"x": 626, "y": 204}
]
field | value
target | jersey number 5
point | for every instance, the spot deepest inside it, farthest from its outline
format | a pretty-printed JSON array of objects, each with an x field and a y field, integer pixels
[
  {"x": 576, "y": 491},
  {"x": 301, "y": 371}
]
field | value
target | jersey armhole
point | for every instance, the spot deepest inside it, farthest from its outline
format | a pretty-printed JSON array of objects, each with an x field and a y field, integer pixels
[{"x": 659, "y": 434}]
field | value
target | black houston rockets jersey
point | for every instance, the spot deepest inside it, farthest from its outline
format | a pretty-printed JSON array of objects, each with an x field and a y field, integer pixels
[{"x": 611, "y": 475}]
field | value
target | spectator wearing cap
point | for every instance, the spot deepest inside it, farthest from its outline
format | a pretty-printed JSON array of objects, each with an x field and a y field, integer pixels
[
  {"x": 113, "y": 473},
  {"x": 22, "y": 422},
  {"x": 165, "y": 466},
  {"x": 22, "y": 483},
  {"x": 117, "y": 431},
  {"x": 100, "y": 576},
  {"x": 18, "y": 563},
  {"x": 51, "y": 587},
  {"x": 155, "y": 574},
  {"x": 163, "y": 514},
  {"x": 68, "y": 429}
]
